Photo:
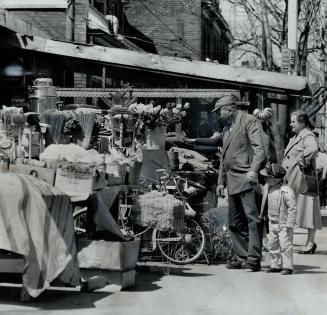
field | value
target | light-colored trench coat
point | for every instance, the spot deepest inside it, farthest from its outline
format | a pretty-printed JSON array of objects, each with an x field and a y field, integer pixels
[{"x": 302, "y": 147}]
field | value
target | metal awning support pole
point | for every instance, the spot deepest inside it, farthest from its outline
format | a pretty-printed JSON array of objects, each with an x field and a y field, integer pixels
[{"x": 103, "y": 77}]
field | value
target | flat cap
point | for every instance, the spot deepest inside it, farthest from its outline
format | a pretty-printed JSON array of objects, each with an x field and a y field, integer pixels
[
  {"x": 226, "y": 100},
  {"x": 273, "y": 170}
]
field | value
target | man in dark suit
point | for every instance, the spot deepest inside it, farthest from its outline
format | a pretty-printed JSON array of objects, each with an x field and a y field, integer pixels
[{"x": 242, "y": 157}]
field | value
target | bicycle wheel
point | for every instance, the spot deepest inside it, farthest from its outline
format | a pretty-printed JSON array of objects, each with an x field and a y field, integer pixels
[
  {"x": 182, "y": 248},
  {"x": 80, "y": 221}
]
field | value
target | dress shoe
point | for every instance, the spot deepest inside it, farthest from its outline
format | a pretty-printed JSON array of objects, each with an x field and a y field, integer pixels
[
  {"x": 251, "y": 266},
  {"x": 286, "y": 271},
  {"x": 234, "y": 265},
  {"x": 273, "y": 270},
  {"x": 312, "y": 250}
]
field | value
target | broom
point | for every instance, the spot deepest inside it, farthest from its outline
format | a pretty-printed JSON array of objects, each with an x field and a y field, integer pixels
[
  {"x": 56, "y": 121},
  {"x": 19, "y": 121},
  {"x": 86, "y": 120}
]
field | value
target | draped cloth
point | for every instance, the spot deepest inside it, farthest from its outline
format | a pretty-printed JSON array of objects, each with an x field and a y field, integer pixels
[{"x": 36, "y": 222}]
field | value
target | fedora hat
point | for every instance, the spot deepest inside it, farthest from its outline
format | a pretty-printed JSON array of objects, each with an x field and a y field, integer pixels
[
  {"x": 227, "y": 100},
  {"x": 273, "y": 170}
]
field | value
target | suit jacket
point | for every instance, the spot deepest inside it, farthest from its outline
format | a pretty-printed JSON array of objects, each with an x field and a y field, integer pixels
[{"x": 243, "y": 151}]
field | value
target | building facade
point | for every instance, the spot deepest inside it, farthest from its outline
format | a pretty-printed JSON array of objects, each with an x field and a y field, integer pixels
[
  {"x": 99, "y": 22},
  {"x": 187, "y": 28}
]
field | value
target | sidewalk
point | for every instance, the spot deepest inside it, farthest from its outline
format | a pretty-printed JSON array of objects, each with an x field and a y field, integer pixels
[{"x": 197, "y": 289}]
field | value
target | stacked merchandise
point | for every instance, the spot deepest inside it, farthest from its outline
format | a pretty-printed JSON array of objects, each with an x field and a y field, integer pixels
[{"x": 79, "y": 172}]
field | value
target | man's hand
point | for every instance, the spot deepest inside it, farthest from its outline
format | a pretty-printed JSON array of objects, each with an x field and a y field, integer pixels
[
  {"x": 220, "y": 191},
  {"x": 252, "y": 178}
]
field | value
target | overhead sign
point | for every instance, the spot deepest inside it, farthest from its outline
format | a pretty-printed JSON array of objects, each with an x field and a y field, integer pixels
[{"x": 277, "y": 98}]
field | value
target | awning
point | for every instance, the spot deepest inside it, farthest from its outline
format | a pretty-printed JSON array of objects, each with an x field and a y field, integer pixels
[{"x": 168, "y": 66}]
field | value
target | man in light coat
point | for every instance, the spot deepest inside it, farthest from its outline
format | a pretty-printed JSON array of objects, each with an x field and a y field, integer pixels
[{"x": 243, "y": 155}]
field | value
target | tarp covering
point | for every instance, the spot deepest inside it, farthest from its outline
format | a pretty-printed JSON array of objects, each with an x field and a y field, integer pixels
[{"x": 36, "y": 221}]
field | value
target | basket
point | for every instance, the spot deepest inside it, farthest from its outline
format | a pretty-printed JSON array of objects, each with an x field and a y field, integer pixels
[{"x": 158, "y": 210}]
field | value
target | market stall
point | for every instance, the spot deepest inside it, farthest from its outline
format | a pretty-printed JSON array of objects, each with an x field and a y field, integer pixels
[{"x": 51, "y": 144}]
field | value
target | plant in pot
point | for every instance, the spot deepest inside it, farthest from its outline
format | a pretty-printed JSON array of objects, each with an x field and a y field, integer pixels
[{"x": 152, "y": 121}]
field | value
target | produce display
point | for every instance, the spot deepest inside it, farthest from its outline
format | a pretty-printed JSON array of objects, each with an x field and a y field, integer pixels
[{"x": 71, "y": 153}]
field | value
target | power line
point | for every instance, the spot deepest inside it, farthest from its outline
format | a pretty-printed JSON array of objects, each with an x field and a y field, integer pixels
[{"x": 171, "y": 30}]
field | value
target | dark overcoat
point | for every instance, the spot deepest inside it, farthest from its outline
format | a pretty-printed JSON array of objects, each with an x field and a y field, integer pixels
[{"x": 243, "y": 151}]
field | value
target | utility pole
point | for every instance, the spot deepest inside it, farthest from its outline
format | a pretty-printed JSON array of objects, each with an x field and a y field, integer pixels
[
  {"x": 288, "y": 66},
  {"x": 292, "y": 32},
  {"x": 323, "y": 59}
]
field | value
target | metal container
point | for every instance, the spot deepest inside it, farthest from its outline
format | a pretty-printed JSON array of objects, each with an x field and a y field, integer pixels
[
  {"x": 43, "y": 91},
  {"x": 43, "y": 82},
  {"x": 39, "y": 105}
]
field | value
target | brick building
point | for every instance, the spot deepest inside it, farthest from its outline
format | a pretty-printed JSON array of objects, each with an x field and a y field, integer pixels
[
  {"x": 186, "y": 28},
  {"x": 80, "y": 21}
]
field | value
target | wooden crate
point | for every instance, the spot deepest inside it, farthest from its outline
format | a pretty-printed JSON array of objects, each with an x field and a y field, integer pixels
[
  {"x": 11, "y": 262},
  {"x": 103, "y": 262},
  {"x": 108, "y": 255}
]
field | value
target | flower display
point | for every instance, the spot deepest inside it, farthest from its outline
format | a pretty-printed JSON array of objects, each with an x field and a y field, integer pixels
[{"x": 152, "y": 116}]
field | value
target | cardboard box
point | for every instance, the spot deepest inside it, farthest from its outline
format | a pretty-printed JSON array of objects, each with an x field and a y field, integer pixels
[
  {"x": 108, "y": 255},
  {"x": 46, "y": 174},
  {"x": 115, "y": 173},
  {"x": 73, "y": 182}
]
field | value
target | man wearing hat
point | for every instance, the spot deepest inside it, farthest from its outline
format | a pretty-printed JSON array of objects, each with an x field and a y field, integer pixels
[
  {"x": 242, "y": 157},
  {"x": 282, "y": 217}
]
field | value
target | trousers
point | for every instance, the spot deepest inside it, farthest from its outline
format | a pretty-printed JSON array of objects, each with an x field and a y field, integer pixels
[
  {"x": 245, "y": 231},
  {"x": 280, "y": 246}
]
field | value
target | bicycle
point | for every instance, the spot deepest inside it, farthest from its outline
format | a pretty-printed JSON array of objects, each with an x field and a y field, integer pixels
[{"x": 179, "y": 247}]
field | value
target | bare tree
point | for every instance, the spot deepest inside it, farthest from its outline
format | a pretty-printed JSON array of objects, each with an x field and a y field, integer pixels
[
  {"x": 268, "y": 31},
  {"x": 263, "y": 36}
]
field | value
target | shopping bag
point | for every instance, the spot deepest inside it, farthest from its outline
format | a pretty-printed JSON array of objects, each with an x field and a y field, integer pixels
[{"x": 309, "y": 181}]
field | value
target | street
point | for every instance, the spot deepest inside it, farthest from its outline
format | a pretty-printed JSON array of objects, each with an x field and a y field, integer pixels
[{"x": 196, "y": 289}]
